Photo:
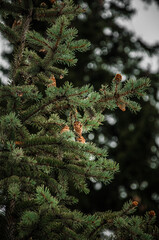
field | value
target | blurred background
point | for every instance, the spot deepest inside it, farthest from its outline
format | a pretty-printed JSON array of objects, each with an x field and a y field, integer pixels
[{"x": 125, "y": 39}]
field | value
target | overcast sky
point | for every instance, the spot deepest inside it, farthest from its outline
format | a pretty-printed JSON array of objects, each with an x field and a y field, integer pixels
[{"x": 146, "y": 21}]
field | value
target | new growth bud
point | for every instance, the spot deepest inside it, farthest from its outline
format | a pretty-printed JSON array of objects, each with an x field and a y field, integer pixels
[
  {"x": 152, "y": 213},
  {"x": 118, "y": 77},
  {"x": 135, "y": 203},
  {"x": 65, "y": 129}
]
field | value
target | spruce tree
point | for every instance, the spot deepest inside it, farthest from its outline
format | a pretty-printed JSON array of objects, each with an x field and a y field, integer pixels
[
  {"x": 115, "y": 48},
  {"x": 43, "y": 153}
]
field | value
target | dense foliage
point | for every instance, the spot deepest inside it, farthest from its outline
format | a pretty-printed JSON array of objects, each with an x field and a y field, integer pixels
[{"x": 43, "y": 153}]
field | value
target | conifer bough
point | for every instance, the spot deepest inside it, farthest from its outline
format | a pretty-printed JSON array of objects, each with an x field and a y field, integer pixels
[{"x": 43, "y": 153}]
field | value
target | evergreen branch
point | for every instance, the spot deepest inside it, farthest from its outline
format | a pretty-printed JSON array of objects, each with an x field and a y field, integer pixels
[
  {"x": 65, "y": 8},
  {"x": 59, "y": 37},
  {"x": 47, "y": 102},
  {"x": 55, "y": 47},
  {"x": 9, "y": 33},
  {"x": 88, "y": 148},
  {"x": 96, "y": 230},
  {"x": 12, "y": 8},
  {"x": 88, "y": 175},
  {"x": 19, "y": 54},
  {"x": 68, "y": 61},
  {"x": 78, "y": 47},
  {"x": 10, "y": 220},
  {"x": 42, "y": 42},
  {"x": 134, "y": 90},
  {"x": 58, "y": 71},
  {"x": 62, "y": 7},
  {"x": 35, "y": 154}
]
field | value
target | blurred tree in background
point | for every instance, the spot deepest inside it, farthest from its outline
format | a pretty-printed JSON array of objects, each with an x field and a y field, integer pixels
[{"x": 135, "y": 137}]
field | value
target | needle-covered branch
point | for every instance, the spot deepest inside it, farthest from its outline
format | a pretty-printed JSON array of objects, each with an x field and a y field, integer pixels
[{"x": 45, "y": 158}]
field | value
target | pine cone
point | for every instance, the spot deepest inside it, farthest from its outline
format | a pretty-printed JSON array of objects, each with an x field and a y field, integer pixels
[
  {"x": 135, "y": 203},
  {"x": 118, "y": 77},
  {"x": 52, "y": 78},
  {"x": 18, "y": 143},
  {"x": 78, "y": 127},
  {"x": 20, "y": 94},
  {"x": 152, "y": 213},
  {"x": 81, "y": 139},
  {"x": 121, "y": 105},
  {"x": 52, "y": 1},
  {"x": 65, "y": 129}
]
